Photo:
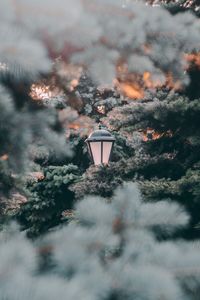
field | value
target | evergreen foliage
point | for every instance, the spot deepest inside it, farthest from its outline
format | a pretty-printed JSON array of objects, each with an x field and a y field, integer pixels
[
  {"x": 182, "y": 5},
  {"x": 185, "y": 190},
  {"x": 109, "y": 245},
  {"x": 108, "y": 252},
  {"x": 175, "y": 119},
  {"x": 48, "y": 198}
]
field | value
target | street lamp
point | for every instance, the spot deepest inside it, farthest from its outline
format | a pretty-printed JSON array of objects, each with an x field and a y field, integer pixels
[{"x": 100, "y": 144}]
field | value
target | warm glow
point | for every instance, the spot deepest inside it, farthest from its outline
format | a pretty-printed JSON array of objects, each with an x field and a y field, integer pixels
[
  {"x": 46, "y": 88},
  {"x": 193, "y": 58},
  {"x": 172, "y": 84},
  {"x": 131, "y": 90},
  {"x": 82, "y": 126},
  {"x": 101, "y": 109},
  {"x": 134, "y": 85},
  {"x": 150, "y": 134},
  {"x": 40, "y": 91},
  {"x": 135, "y": 89},
  {"x": 73, "y": 84},
  {"x": 149, "y": 82},
  {"x": 4, "y": 157},
  {"x": 68, "y": 74},
  {"x": 79, "y": 124},
  {"x": 75, "y": 126}
]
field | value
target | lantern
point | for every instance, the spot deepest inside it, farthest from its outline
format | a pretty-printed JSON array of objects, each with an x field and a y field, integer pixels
[{"x": 100, "y": 144}]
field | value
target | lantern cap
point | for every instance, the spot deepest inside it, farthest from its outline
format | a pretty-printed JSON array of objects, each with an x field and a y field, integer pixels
[
  {"x": 100, "y": 143},
  {"x": 100, "y": 135}
]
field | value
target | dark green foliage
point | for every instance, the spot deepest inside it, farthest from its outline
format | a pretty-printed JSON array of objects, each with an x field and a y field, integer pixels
[
  {"x": 179, "y": 6},
  {"x": 23, "y": 123},
  {"x": 186, "y": 191},
  {"x": 175, "y": 118},
  {"x": 96, "y": 102},
  {"x": 173, "y": 156},
  {"x": 123, "y": 148},
  {"x": 183, "y": 5},
  {"x": 6, "y": 180},
  {"x": 101, "y": 181},
  {"x": 168, "y": 158},
  {"x": 80, "y": 154},
  {"x": 48, "y": 198},
  {"x": 110, "y": 252}
]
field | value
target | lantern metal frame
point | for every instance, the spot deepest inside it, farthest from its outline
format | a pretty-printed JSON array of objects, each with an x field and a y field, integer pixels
[{"x": 101, "y": 135}]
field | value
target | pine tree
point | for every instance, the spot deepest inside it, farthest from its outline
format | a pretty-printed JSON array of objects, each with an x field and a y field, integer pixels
[
  {"x": 48, "y": 199},
  {"x": 178, "y": 6},
  {"x": 161, "y": 55},
  {"x": 173, "y": 148},
  {"x": 109, "y": 251},
  {"x": 122, "y": 243}
]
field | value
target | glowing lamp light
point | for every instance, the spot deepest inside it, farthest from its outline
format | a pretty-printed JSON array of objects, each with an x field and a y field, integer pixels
[{"x": 100, "y": 144}]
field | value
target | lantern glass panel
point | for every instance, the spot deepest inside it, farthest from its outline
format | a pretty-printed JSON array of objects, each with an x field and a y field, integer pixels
[
  {"x": 96, "y": 152},
  {"x": 107, "y": 146}
]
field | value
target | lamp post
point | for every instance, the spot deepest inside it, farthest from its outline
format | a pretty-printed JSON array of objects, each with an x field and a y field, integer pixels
[{"x": 100, "y": 144}]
